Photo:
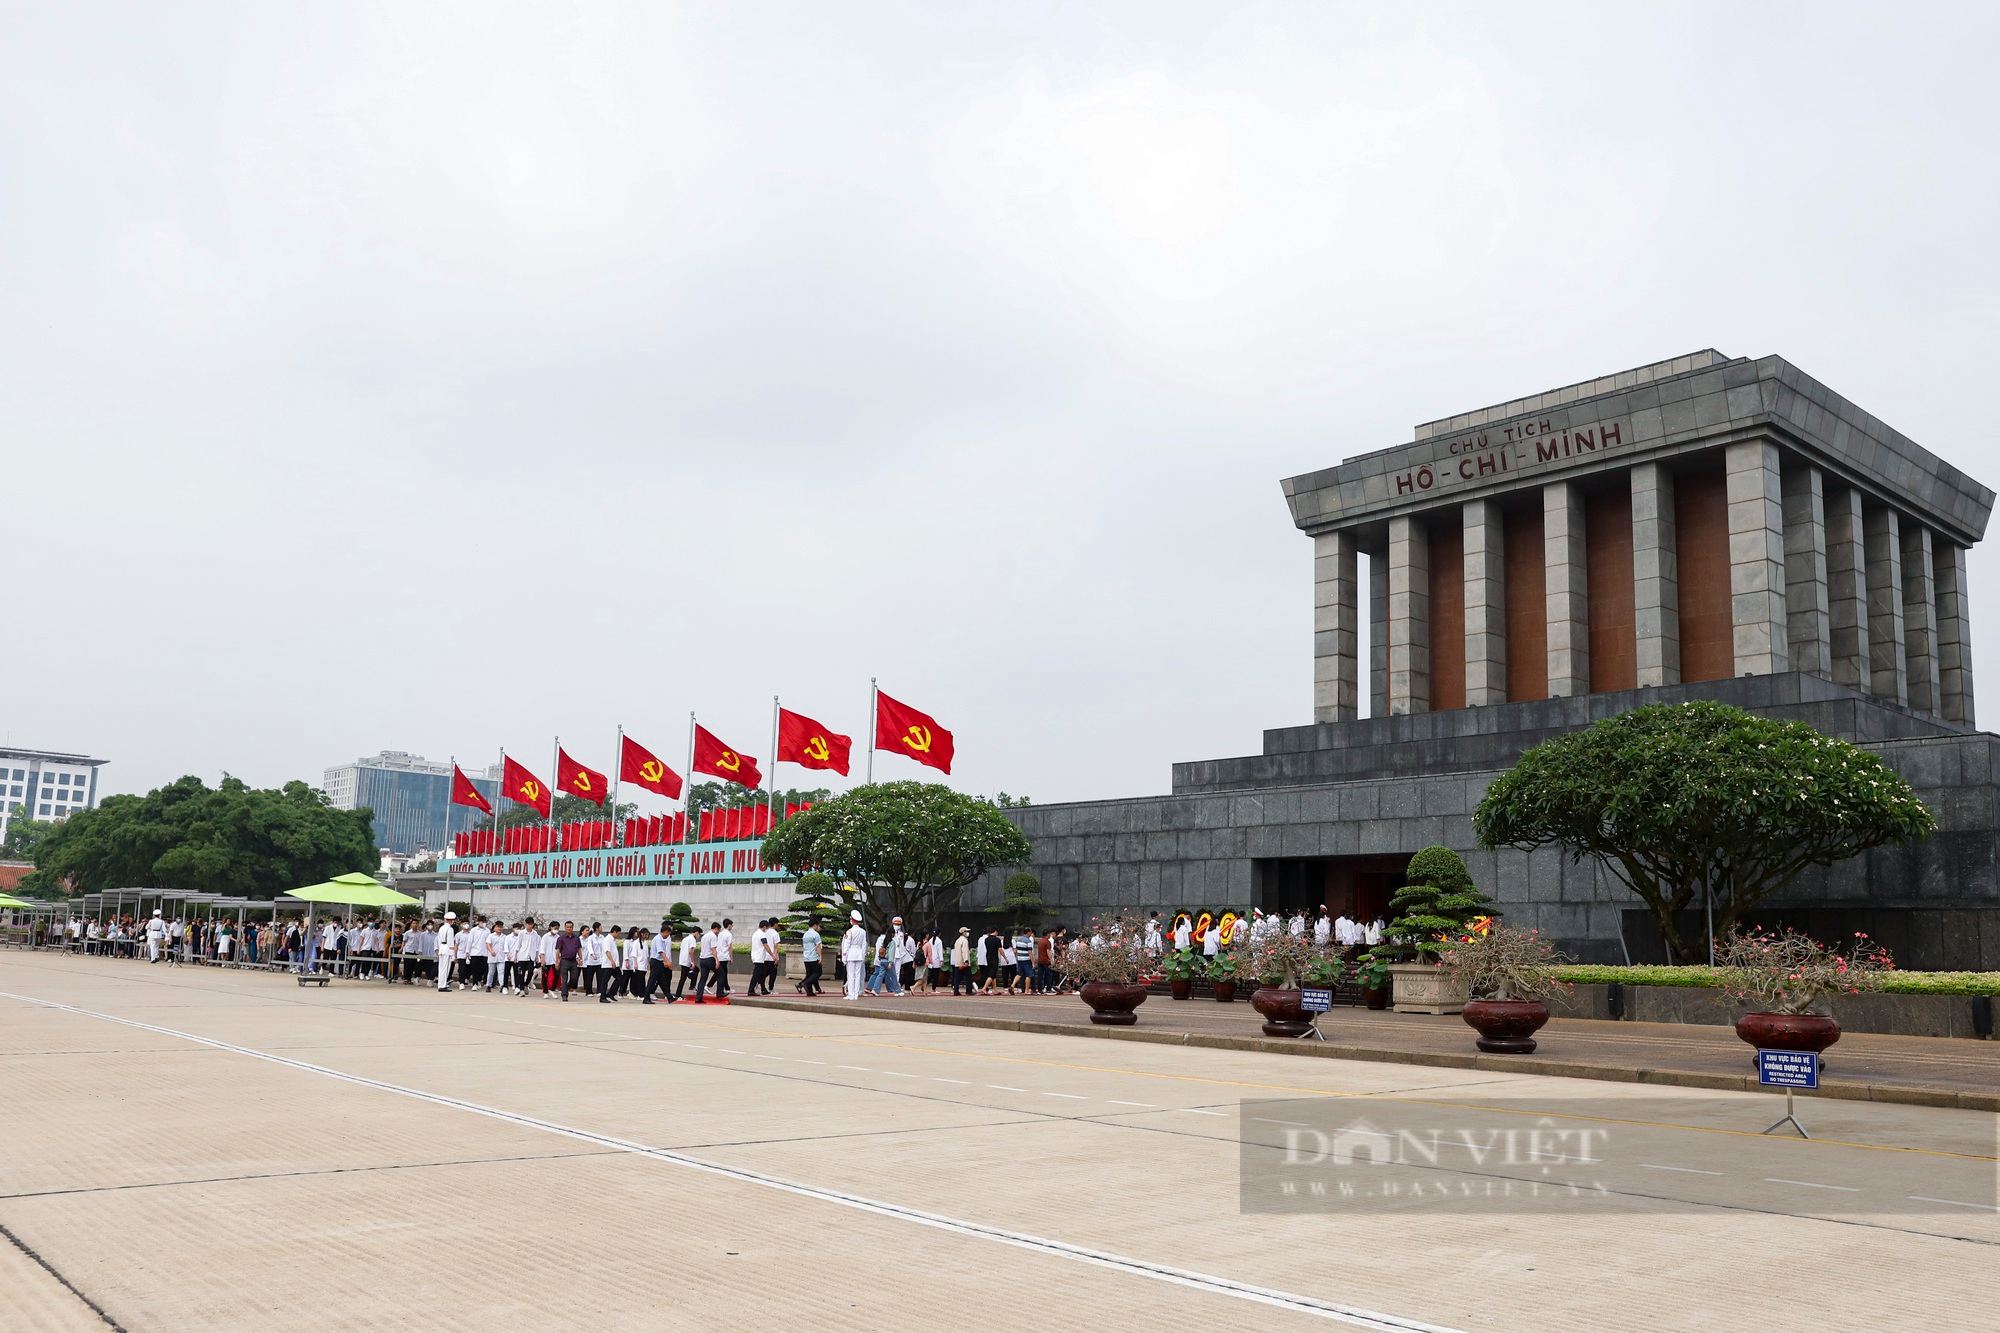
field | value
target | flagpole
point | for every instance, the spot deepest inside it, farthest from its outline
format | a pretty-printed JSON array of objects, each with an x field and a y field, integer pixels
[
  {"x": 555, "y": 767},
  {"x": 450, "y": 782},
  {"x": 871, "y": 729},
  {"x": 496, "y": 805},
  {"x": 772, "y": 801},
  {"x": 617, "y": 765},
  {"x": 687, "y": 791}
]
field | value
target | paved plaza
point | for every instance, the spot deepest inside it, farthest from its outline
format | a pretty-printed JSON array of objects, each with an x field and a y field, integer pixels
[{"x": 196, "y": 1148}]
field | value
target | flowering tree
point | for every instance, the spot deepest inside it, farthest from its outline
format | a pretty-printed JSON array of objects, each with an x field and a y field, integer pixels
[
  {"x": 1700, "y": 801},
  {"x": 1784, "y": 972},
  {"x": 1283, "y": 959},
  {"x": 1112, "y": 949}
]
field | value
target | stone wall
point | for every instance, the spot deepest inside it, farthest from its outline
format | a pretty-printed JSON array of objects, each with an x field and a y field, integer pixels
[{"x": 1390, "y": 786}]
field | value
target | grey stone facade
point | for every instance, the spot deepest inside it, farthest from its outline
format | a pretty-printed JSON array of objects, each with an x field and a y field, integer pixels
[{"x": 1372, "y": 792}]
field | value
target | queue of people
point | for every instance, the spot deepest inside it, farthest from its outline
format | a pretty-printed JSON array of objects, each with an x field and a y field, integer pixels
[{"x": 557, "y": 959}]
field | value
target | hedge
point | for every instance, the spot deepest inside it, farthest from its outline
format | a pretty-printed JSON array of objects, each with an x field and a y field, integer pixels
[{"x": 1895, "y": 983}]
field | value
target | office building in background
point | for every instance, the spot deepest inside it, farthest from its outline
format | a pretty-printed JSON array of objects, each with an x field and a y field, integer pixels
[{"x": 411, "y": 798}]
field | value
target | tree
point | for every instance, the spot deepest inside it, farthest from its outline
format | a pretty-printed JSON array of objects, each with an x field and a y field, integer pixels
[
  {"x": 231, "y": 839},
  {"x": 1700, "y": 803},
  {"x": 821, "y": 902},
  {"x": 1021, "y": 899},
  {"x": 909, "y": 847},
  {"x": 1436, "y": 903},
  {"x": 679, "y": 920},
  {"x": 23, "y": 837}
]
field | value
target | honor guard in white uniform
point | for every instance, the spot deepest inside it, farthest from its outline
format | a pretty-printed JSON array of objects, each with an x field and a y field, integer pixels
[
  {"x": 447, "y": 950},
  {"x": 854, "y": 952}
]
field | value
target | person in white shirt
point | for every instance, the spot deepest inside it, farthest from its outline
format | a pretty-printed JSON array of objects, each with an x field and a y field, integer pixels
[
  {"x": 1322, "y": 929},
  {"x": 690, "y": 946},
  {"x": 725, "y": 953},
  {"x": 1183, "y": 931},
  {"x": 1153, "y": 943},
  {"x": 1297, "y": 928},
  {"x": 809, "y": 950},
  {"x": 590, "y": 956},
  {"x": 1211, "y": 942},
  {"x": 887, "y": 946},
  {"x": 550, "y": 960},
  {"x": 761, "y": 970},
  {"x": 854, "y": 954},
  {"x": 660, "y": 965},
  {"x": 614, "y": 966},
  {"x": 156, "y": 936},
  {"x": 1373, "y": 936},
  {"x": 705, "y": 960},
  {"x": 1343, "y": 931},
  {"x": 906, "y": 961},
  {"x": 447, "y": 950}
]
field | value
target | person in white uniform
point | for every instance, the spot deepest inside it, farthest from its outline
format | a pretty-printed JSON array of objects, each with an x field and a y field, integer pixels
[
  {"x": 447, "y": 947},
  {"x": 156, "y": 936},
  {"x": 854, "y": 953}
]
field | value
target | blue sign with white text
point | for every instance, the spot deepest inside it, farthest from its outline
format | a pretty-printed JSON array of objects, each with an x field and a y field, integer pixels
[
  {"x": 1788, "y": 1069},
  {"x": 1315, "y": 1001}
]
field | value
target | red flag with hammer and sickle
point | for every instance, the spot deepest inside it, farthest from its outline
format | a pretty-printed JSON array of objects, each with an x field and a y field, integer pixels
[
  {"x": 717, "y": 760},
  {"x": 638, "y": 765},
  {"x": 577, "y": 780},
  {"x": 464, "y": 792},
  {"x": 905, "y": 731},
  {"x": 519, "y": 785},
  {"x": 805, "y": 742}
]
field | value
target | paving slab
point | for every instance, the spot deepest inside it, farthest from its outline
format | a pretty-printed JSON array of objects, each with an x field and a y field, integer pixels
[{"x": 223, "y": 1150}]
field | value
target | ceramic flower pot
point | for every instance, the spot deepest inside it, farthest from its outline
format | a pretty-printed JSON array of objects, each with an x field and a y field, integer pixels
[
  {"x": 1506, "y": 1027},
  {"x": 1788, "y": 1032},
  {"x": 1180, "y": 987},
  {"x": 1112, "y": 1002},
  {"x": 1283, "y": 1016},
  {"x": 1225, "y": 991},
  {"x": 1376, "y": 997}
]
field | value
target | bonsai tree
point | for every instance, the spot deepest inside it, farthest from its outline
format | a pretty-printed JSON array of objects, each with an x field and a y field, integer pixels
[
  {"x": 821, "y": 902},
  {"x": 910, "y": 848},
  {"x": 679, "y": 920},
  {"x": 1437, "y": 904},
  {"x": 1021, "y": 899},
  {"x": 1784, "y": 972},
  {"x": 1696, "y": 803},
  {"x": 1500, "y": 963}
]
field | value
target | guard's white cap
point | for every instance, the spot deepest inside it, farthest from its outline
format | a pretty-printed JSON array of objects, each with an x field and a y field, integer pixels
[
  {"x": 156, "y": 911},
  {"x": 854, "y": 916},
  {"x": 451, "y": 916}
]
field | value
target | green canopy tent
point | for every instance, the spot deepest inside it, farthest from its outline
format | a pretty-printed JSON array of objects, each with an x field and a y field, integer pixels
[
  {"x": 353, "y": 889},
  {"x": 8, "y": 900}
]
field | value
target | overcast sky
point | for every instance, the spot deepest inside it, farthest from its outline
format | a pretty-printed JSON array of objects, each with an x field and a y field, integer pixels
[{"x": 444, "y": 377}]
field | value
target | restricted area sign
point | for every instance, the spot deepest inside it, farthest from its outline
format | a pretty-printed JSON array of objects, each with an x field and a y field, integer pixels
[
  {"x": 1788, "y": 1069},
  {"x": 1315, "y": 1001}
]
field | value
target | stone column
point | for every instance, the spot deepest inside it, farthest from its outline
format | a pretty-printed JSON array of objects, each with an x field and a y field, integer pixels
[
  {"x": 1920, "y": 662},
  {"x": 1656, "y": 597},
  {"x": 1808, "y": 613},
  {"x": 1566, "y": 576},
  {"x": 1757, "y": 558},
  {"x": 1378, "y": 634},
  {"x": 1409, "y": 616},
  {"x": 1882, "y": 533},
  {"x": 1954, "y": 632},
  {"x": 1336, "y": 631},
  {"x": 1847, "y": 588},
  {"x": 1485, "y": 604}
]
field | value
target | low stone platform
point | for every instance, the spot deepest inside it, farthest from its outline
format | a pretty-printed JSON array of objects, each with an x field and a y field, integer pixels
[{"x": 1922, "y": 1071}]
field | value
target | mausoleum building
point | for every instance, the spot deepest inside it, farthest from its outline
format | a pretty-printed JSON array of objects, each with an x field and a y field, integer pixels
[{"x": 1703, "y": 527}]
